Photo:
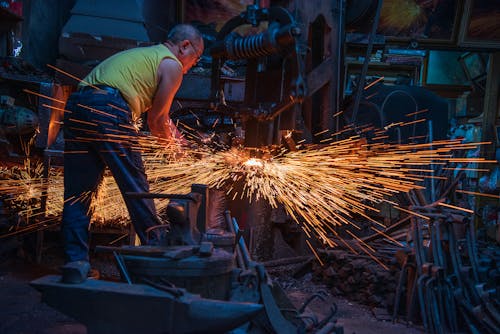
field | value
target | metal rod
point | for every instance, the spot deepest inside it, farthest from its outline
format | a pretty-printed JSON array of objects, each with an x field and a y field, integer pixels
[
  {"x": 241, "y": 243},
  {"x": 229, "y": 222},
  {"x": 122, "y": 267},
  {"x": 364, "y": 70}
]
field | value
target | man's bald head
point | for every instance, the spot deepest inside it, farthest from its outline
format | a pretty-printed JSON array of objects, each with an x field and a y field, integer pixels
[{"x": 182, "y": 32}]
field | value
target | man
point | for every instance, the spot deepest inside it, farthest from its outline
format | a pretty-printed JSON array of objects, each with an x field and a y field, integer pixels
[{"x": 99, "y": 131}]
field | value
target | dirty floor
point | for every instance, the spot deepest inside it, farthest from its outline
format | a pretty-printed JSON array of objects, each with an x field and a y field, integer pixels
[{"x": 23, "y": 312}]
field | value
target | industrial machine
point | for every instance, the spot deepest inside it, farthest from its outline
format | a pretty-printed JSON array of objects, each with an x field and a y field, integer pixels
[
  {"x": 266, "y": 110},
  {"x": 15, "y": 120},
  {"x": 291, "y": 77},
  {"x": 289, "y": 93}
]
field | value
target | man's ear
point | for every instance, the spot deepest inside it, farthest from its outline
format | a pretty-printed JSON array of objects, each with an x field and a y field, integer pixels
[{"x": 185, "y": 44}]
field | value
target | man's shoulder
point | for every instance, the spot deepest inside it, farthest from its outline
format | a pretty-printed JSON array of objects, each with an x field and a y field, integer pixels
[{"x": 170, "y": 66}]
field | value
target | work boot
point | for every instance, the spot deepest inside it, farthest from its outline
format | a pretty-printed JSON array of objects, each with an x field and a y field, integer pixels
[{"x": 75, "y": 272}]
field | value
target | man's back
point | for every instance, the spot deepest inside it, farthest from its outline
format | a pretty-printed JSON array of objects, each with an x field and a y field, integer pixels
[{"x": 134, "y": 73}]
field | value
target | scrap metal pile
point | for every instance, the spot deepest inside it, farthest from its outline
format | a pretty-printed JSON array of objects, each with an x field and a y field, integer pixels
[{"x": 445, "y": 277}]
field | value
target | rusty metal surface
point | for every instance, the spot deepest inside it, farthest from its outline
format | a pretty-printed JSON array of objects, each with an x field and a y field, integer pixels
[{"x": 260, "y": 225}]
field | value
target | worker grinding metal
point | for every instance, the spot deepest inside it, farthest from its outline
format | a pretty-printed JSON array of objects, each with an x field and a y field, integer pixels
[{"x": 103, "y": 109}]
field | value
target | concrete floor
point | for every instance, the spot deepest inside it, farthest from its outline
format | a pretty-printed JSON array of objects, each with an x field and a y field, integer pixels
[{"x": 22, "y": 312}]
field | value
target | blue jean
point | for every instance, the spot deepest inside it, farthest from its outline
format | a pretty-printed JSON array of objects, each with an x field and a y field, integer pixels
[{"x": 95, "y": 139}]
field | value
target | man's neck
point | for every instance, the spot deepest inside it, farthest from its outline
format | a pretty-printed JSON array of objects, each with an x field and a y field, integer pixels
[{"x": 172, "y": 47}]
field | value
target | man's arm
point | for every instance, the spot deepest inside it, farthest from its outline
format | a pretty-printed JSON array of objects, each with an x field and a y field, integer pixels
[{"x": 169, "y": 81}]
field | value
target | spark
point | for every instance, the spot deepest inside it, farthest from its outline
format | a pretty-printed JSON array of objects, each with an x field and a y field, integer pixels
[
  {"x": 325, "y": 187},
  {"x": 412, "y": 213},
  {"x": 320, "y": 187},
  {"x": 387, "y": 236},
  {"x": 416, "y": 112},
  {"x": 254, "y": 162},
  {"x": 346, "y": 243},
  {"x": 455, "y": 207},
  {"x": 361, "y": 242},
  {"x": 374, "y": 83},
  {"x": 338, "y": 113},
  {"x": 44, "y": 96},
  {"x": 371, "y": 95},
  {"x": 476, "y": 193},
  {"x": 315, "y": 253},
  {"x": 72, "y": 76},
  {"x": 56, "y": 108},
  {"x": 373, "y": 257},
  {"x": 467, "y": 169},
  {"x": 97, "y": 111},
  {"x": 413, "y": 122},
  {"x": 321, "y": 132}
]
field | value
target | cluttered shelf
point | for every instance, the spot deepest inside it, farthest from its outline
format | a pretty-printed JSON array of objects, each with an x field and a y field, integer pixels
[{"x": 389, "y": 74}]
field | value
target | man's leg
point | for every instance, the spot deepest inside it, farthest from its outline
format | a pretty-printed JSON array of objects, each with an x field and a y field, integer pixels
[
  {"x": 128, "y": 170},
  {"x": 83, "y": 171},
  {"x": 124, "y": 162},
  {"x": 82, "y": 175}
]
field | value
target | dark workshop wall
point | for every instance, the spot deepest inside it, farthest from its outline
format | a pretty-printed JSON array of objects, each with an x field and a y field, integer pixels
[
  {"x": 160, "y": 16},
  {"x": 43, "y": 21}
]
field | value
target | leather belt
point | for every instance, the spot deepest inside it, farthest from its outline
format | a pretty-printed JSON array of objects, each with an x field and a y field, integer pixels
[{"x": 99, "y": 89}]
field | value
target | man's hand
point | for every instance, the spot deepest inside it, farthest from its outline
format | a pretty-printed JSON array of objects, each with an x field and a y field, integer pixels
[{"x": 176, "y": 135}]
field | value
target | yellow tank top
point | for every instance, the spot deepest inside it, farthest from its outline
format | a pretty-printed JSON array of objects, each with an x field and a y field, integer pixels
[{"x": 134, "y": 73}]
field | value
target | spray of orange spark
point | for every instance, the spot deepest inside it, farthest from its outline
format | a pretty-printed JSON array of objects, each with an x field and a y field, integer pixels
[{"x": 322, "y": 187}]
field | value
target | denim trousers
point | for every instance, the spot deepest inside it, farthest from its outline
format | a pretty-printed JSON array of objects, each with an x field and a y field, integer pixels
[{"x": 98, "y": 132}]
